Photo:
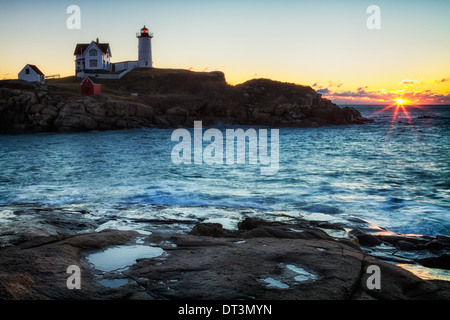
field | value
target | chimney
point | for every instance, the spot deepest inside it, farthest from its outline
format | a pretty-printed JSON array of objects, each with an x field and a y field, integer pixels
[{"x": 97, "y": 40}]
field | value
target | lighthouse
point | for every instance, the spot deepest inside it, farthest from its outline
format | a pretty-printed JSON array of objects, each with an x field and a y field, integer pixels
[{"x": 145, "y": 48}]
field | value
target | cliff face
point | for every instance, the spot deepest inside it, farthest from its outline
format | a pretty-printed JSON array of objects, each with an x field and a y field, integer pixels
[
  {"x": 283, "y": 104},
  {"x": 166, "y": 98}
]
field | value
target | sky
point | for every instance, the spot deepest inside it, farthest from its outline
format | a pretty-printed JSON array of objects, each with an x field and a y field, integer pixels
[{"x": 323, "y": 44}]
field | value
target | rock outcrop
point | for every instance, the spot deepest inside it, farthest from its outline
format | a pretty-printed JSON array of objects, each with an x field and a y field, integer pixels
[
  {"x": 433, "y": 252},
  {"x": 28, "y": 111},
  {"x": 260, "y": 260},
  {"x": 280, "y": 104},
  {"x": 168, "y": 99}
]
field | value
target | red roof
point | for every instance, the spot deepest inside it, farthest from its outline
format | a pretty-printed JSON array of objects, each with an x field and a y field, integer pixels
[
  {"x": 36, "y": 69},
  {"x": 92, "y": 80},
  {"x": 81, "y": 48}
]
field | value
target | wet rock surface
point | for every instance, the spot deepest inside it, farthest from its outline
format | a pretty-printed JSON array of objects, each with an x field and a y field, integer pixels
[
  {"x": 428, "y": 251},
  {"x": 36, "y": 269},
  {"x": 259, "y": 260}
]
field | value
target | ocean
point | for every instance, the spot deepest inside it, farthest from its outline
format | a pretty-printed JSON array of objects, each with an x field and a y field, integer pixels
[{"x": 393, "y": 174}]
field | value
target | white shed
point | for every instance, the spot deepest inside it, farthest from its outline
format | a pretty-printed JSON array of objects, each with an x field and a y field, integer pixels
[{"x": 31, "y": 73}]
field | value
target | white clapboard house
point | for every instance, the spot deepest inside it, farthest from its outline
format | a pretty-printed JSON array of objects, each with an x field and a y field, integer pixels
[
  {"x": 31, "y": 73},
  {"x": 94, "y": 57}
]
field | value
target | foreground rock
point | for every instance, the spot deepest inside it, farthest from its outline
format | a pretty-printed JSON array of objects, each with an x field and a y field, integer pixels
[
  {"x": 260, "y": 260},
  {"x": 25, "y": 111},
  {"x": 36, "y": 269},
  {"x": 166, "y": 98},
  {"x": 433, "y": 252}
]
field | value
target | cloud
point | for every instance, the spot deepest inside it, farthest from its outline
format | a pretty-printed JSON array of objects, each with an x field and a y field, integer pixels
[
  {"x": 324, "y": 91},
  {"x": 428, "y": 97},
  {"x": 336, "y": 84},
  {"x": 365, "y": 95},
  {"x": 360, "y": 92},
  {"x": 409, "y": 82},
  {"x": 442, "y": 80},
  {"x": 330, "y": 84}
]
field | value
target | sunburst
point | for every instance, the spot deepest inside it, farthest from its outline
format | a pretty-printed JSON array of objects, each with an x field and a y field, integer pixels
[{"x": 399, "y": 105}]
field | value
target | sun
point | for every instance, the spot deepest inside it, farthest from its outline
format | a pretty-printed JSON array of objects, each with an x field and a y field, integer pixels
[{"x": 400, "y": 101}]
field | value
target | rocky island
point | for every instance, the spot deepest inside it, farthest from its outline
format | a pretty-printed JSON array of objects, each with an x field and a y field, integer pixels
[{"x": 164, "y": 98}]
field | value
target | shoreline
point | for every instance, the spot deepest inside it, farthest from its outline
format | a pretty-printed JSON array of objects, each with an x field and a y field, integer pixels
[{"x": 207, "y": 248}]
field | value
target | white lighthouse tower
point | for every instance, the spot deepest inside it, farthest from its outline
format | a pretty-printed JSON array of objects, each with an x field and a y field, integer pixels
[{"x": 145, "y": 48}]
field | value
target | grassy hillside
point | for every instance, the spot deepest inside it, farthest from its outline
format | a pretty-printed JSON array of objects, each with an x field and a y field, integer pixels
[{"x": 146, "y": 82}]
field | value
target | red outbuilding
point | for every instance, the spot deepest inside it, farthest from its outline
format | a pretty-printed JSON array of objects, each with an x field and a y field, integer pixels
[{"x": 90, "y": 86}]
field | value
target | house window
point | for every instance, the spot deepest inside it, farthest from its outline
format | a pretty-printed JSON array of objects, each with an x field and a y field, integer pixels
[
  {"x": 27, "y": 71},
  {"x": 92, "y": 52},
  {"x": 93, "y": 63}
]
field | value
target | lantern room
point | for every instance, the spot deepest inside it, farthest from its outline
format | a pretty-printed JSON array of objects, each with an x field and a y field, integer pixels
[{"x": 144, "y": 33}]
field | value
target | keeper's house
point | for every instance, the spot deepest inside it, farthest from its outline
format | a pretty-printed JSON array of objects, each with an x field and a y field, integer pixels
[{"x": 92, "y": 57}]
